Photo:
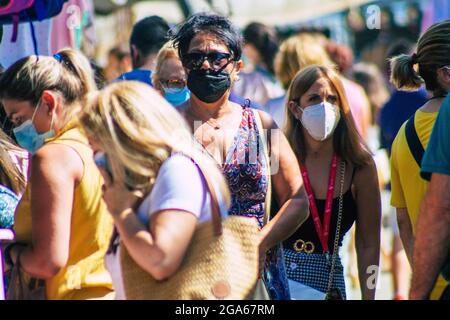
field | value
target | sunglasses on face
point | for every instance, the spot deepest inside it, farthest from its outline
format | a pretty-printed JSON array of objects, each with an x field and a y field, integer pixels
[{"x": 217, "y": 60}]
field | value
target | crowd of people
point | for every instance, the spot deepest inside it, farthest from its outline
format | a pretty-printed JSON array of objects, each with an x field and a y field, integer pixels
[{"x": 290, "y": 134}]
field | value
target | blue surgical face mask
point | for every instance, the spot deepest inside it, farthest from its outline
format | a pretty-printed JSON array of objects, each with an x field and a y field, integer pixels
[
  {"x": 27, "y": 136},
  {"x": 177, "y": 97}
]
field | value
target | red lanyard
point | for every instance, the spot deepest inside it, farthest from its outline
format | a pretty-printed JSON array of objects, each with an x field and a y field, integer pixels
[{"x": 322, "y": 233}]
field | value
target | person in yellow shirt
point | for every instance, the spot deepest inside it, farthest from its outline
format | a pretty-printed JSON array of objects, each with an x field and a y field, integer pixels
[
  {"x": 408, "y": 188},
  {"x": 62, "y": 224}
]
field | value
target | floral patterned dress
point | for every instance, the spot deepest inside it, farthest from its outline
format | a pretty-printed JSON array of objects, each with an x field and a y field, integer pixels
[{"x": 246, "y": 171}]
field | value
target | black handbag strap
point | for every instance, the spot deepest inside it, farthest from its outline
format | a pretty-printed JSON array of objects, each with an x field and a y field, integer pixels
[{"x": 415, "y": 146}]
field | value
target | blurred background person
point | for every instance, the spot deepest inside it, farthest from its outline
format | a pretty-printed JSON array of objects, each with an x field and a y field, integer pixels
[
  {"x": 342, "y": 56},
  {"x": 370, "y": 77},
  {"x": 361, "y": 36},
  {"x": 382, "y": 38},
  {"x": 413, "y": 25},
  {"x": 169, "y": 77},
  {"x": 257, "y": 82},
  {"x": 408, "y": 188},
  {"x": 302, "y": 50},
  {"x": 119, "y": 62},
  {"x": 401, "y": 104},
  {"x": 147, "y": 38},
  {"x": 295, "y": 53},
  {"x": 62, "y": 225}
]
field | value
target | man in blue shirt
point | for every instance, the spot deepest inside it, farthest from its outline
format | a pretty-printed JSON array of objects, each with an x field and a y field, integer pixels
[
  {"x": 401, "y": 106},
  {"x": 432, "y": 244},
  {"x": 147, "y": 37}
]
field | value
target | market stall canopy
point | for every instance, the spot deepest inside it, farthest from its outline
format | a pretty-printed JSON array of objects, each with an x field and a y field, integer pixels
[
  {"x": 279, "y": 12},
  {"x": 244, "y": 11}
]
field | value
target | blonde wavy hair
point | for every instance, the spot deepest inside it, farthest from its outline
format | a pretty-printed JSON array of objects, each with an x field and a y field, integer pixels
[
  {"x": 139, "y": 130},
  {"x": 166, "y": 52},
  {"x": 298, "y": 52}
]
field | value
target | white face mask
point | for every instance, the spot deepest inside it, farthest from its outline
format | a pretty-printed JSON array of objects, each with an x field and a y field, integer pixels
[{"x": 320, "y": 120}]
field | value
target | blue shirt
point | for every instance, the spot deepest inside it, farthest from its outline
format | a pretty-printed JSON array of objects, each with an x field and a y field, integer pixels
[
  {"x": 400, "y": 107},
  {"x": 437, "y": 155},
  {"x": 141, "y": 75}
]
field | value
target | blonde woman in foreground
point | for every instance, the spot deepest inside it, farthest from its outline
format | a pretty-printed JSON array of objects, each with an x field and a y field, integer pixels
[{"x": 153, "y": 186}]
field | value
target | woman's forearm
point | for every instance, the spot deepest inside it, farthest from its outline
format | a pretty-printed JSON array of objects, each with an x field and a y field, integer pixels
[
  {"x": 138, "y": 242},
  {"x": 37, "y": 265},
  {"x": 368, "y": 270},
  {"x": 288, "y": 219},
  {"x": 408, "y": 243}
]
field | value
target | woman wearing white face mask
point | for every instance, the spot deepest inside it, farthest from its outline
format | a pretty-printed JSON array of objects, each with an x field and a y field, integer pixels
[{"x": 342, "y": 185}]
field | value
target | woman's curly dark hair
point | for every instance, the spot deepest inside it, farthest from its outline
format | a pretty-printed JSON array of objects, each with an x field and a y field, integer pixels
[{"x": 208, "y": 23}]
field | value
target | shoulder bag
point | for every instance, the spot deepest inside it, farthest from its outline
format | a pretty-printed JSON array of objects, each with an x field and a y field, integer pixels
[{"x": 221, "y": 262}]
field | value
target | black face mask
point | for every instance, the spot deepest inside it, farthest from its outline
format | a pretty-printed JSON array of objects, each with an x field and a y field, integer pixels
[{"x": 208, "y": 85}]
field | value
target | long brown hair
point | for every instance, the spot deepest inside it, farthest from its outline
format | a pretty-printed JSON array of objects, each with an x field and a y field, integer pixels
[
  {"x": 10, "y": 175},
  {"x": 347, "y": 142}
]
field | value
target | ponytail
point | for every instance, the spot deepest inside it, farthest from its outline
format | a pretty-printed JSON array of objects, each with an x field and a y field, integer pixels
[
  {"x": 403, "y": 74},
  {"x": 80, "y": 67},
  {"x": 432, "y": 53},
  {"x": 67, "y": 72}
]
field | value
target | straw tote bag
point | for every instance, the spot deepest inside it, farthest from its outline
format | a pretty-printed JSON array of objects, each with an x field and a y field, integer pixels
[{"x": 221, "y": 263}]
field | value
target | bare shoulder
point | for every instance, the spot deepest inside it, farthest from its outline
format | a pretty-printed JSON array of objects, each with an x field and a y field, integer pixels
[
  {"x": 366, "y": 174},
  {"x": 59, "y": 159},
  {"x": 266, "y": 119}
]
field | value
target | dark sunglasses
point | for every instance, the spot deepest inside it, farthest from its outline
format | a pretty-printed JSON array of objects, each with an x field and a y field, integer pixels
[{"x": 217, "y": 60}]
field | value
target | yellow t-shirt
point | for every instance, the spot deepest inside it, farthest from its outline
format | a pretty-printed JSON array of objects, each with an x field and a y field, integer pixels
[
  {"x": 407, "y": 187},
  {"x": 84, "y": 276}
]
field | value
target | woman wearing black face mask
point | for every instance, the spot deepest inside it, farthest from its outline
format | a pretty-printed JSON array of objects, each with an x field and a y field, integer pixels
[{"x": 210, "y": 50}]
